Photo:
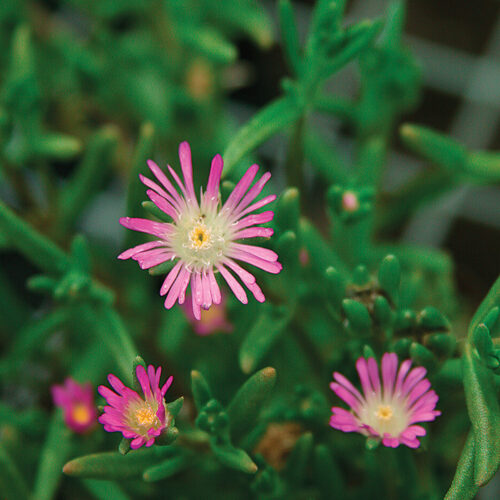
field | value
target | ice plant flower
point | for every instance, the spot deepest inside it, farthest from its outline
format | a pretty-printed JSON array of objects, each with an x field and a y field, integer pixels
[
  {"x": 389, "y": 408},
  {"x": 140, "y": 418},
  {"x": 211, "y": 321},
  {"x": 203, "y": 237},
  {"x": 77, "y": 403}
]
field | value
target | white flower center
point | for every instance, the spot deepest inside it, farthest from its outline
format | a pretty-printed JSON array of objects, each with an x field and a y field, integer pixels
[
  {"x": 385, "y": 416},
  {"x": 202, "y": 240},
  {"x": 142, "y": 417}
]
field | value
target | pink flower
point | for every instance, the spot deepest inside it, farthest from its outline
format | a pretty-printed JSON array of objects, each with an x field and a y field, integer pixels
[
  {"x": 389, "y": 409},
  {"x": 137, "y": 418},
  {"x": 211, "y": 321},
  {"x": 77, "y": 402},
  {"x": 203, "y": 237}
]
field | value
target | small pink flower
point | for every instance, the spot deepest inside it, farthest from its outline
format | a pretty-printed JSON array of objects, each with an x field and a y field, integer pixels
[
  {"x": 213, "y": 320},
  {"x": 203, "y": 237},
  {"x": 350, "y": 202},
  {"x": 137, "y": 418},
  {"x": 389, "y": 409},
  {"x": 77, "y": 403}
]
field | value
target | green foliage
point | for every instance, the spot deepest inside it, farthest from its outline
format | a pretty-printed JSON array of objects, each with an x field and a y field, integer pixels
[{"x": 87, "y": 95}]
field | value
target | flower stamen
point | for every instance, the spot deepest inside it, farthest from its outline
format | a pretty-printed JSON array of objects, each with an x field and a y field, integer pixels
[
  {"x": 145, "y": 416},
  {"x": 200, "y": 237},
  {"x": 384, "y": 412}
]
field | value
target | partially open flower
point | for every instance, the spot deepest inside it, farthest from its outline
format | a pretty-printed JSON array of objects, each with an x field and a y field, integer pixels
[
  {"x": 141, "y": 419},
  {"x": 203, "y": 238},
  {"x": 387, "y": 409},
  {"x": 77, "y": 403}
]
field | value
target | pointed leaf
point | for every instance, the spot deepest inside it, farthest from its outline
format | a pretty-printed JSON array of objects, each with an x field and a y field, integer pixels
[{"x": 245, "y": 407}]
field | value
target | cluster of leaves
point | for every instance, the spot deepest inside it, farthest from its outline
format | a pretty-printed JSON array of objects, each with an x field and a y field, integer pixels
[{"x": 338, "y": 297}]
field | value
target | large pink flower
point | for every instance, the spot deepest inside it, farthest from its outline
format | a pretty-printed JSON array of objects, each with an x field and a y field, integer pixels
[
  {"x": 203, "y": 237},
  {"x": 387, "y": 409},
  {"x": 77, "y": 403},
  {"x": 141, "y": 419}
]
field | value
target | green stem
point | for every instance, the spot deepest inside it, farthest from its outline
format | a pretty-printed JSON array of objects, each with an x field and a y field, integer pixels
[{"x": 295, "y": 155}]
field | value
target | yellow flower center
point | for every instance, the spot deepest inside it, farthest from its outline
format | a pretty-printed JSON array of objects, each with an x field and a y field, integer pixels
[
  {"x": 384, "y": 412},
  {"x": 200, "y": 237},
  {"x": 145, "y": 415},
  {"x": 81, "y": 414}
]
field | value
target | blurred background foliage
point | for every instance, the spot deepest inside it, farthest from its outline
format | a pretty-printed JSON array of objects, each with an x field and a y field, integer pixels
[{"x": 331, "y": 98}]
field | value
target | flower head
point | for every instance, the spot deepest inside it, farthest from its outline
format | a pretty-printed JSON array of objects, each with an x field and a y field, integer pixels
[
  {"x": 203, "y": 236},
  {"x": 387, "y": 409},
  {"x": 211, "y": 321},
  {"x": 77, "y": 402},
  {"x": 141, "y": 419}
]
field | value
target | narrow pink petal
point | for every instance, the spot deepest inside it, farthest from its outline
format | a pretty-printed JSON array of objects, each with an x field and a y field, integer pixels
[
  {"x": 389, "y": 368},
  {"x": 345, "y": 395},
  {"x": 418, "y": 390},
  {"x": 183, "y": 288},
  {"x": 205, "y": 288},
  {"x": 413, "y": 431},
  {"x": 166, "y": 385},
  {"x": 149, "y": 261},
  {"x": 152, "y": 185},
  {"x": 212, "y": 192},
  {"x": 174, "y": 291},
  {"x": 362, "y": 368},
  {"x": 140, "y": 248},
  {"x": 411, "y": 443},
  {"x": 178, "y": 181},
  {"x": 403, "y": 370},
  {"x": 424, "y": 417},
  {"x": 258, "y": 204},
  {"x": 256, "y": 291},
  {"x": 196, "y": 288},
  {"x": 137, "y": 442},
  {"x": 165, "y": 182},
  {"x": 373, "y": 374},
  {"x": 156, "y": 382},
  {"x": 338, "y": 377},
  {"x": 116, "y": 384},
  {"x": 344, "y": 421},
  {"x": 144, "y": 381},
  {"x": 263, "y": 253},
  {"x": 253, "y": 193},
  {"x": 187, "y": 170},
  {"x": 196, "y": 306},
  {"x": 162, "y": 204},
  {"x": 253, "y": 219},
  {"x": 244, "y": 275},
  {"x": 110, "y": 397},
  {"x": 412, "y": 379},
  {"x": 170, "y": 278},
  {"x": 233, "y": 284},
  {"x": 270, "y": 267},
  {"x": 178, "y": 204},
  {"x": 427, "y": 402},
  {"x": 254, "y": 232},
  {"x": 240, "y": 188},
  {"x": 214, "y": 287},
  {"x": 390, "y": 442},
  {"x": 160, "y": 229}
]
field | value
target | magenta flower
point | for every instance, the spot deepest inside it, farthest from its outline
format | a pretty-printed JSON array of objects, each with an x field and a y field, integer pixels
[
  {"x": 77, "y": 403},
  {"x": 203, "y": 237},
  {"x": 211, "y": 321},
  {"x": 137, "y": 418},
  {"x": 389, "y": 409}
]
